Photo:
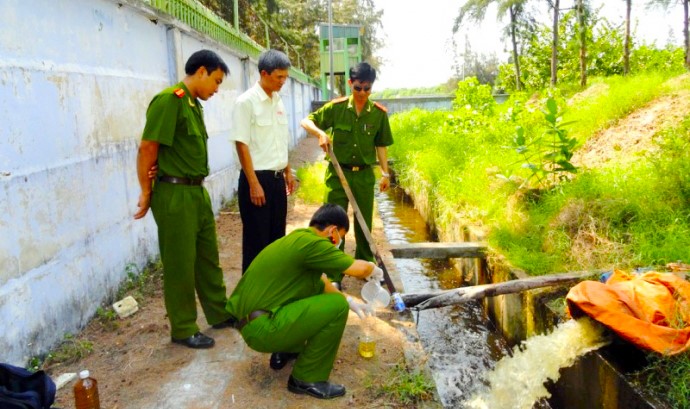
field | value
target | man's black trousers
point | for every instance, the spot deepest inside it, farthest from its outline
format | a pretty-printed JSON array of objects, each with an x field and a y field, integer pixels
[{"x": 261, "y": 225}]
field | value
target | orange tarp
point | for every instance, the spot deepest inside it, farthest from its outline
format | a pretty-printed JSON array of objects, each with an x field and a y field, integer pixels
[{"x": 651, "y": 310}]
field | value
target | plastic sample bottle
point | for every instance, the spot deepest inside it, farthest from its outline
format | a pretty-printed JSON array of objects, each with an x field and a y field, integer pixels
[
  {"x": 367, "y": 343},
  {"x": 86, "y": 392},
  {"x": 398, "y": 303}
]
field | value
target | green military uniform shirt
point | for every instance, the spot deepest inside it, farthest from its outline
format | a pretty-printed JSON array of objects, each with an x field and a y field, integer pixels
[
  {"x": 175, "y": 120},
  {"x": 287, "y": 270},
  {"x": 183, "y": 213},
  {"x": 355, "y": 138}
]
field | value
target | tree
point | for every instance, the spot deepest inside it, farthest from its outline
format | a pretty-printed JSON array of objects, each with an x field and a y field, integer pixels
[
  {"x": 628, "y": 38},
  {"x": 582, "y": 10},
  {"x": 604, "y": 52},
  {"x": 555, "y": 5},
  {"x": 290, "y": 25},
  {"x": 686, "y": 35},
  {"x": 483, "y": 67},
  {"x": 476, "y": 9}
]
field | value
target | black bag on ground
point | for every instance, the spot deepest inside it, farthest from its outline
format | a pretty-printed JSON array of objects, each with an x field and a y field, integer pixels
[{"x": 21, "y": 389}]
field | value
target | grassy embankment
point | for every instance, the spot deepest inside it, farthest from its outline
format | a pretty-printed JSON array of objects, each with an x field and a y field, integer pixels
[{"x": 463, "y": 169}]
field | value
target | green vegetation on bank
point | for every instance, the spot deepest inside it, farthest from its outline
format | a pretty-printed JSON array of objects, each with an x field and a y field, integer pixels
[
  {"x": 407, "y": 386},
  {"x": 467, "y": 167},
  {"x": 667, "y": 378}
]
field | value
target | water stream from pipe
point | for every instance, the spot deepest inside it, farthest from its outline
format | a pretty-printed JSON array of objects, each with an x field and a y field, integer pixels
[{"x": 517, "y": 381}]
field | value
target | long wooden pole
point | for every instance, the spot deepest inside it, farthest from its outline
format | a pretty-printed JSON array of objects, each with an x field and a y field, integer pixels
[
  {"x": 360, "y": 219},
  {"x": 461, "y": 295}
]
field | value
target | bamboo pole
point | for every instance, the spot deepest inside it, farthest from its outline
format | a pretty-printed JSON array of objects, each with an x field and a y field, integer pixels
[
  {"x": 461, "y": 295},
  {"x": 360, "y": 219}
]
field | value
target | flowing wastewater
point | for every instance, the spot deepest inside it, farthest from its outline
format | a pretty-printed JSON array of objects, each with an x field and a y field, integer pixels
[{"x": 470, "y": 362}]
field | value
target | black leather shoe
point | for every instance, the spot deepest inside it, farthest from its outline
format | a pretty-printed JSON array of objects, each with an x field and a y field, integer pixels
[
  {"x": 196, "y": 341},
  {"x": 229, "y": 323},
  {"x": 321, "y": 390},
  {"x": 280, "y": 359}
]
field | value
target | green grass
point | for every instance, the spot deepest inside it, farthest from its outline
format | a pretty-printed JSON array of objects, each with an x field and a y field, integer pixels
[
  {"x": 311, "y": 182},
  {"x": 408, "y": 387},
  {"x": 141, "y": 284},
  {"x": 667, "y": 378},
  {"x": 70, "y": 350},
  {"x": 618, "y": 97}
]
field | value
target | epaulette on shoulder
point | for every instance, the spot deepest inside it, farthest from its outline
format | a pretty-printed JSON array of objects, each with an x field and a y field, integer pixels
[
  {"x": 339, "y": 100},
  {"x": 381, "y": 107},
  {"x": 179, "y": 92}
]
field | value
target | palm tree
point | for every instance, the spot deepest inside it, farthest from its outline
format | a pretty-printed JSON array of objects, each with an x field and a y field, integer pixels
[
  {"x": 582, "y": 9},
  {"x": 476, "y": 9},
  {"x": 555, "y": 5},
  {"x": 626, "y": 46}
]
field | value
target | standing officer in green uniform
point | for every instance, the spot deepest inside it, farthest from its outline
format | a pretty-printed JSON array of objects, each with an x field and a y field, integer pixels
[
  {"x": 175, "y": 139},
  {"x": 286, "y": 301},
  {"x": 360, "y": 133}
]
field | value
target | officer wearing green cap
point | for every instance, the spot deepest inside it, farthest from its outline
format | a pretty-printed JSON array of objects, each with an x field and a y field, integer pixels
[
  {"x": 360, "y": 133},
  {"x": 175, "y": 140},
  {"x": 287, "y": 304}
]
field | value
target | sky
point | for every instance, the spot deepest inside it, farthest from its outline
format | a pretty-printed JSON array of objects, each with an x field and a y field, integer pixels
[{"x": 418, "y": 37}]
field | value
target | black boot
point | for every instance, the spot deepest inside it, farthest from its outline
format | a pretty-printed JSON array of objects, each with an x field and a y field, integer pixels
[
  {"x": 196, "y": 341},
  {"x": 280, "y": 359},
  {"x": 321, "y": 390}
]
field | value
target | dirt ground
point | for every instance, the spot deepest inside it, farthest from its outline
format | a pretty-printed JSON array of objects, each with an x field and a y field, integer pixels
[
  {"x": 137, "y": 366},
  {"x": 633, "y": 136}
]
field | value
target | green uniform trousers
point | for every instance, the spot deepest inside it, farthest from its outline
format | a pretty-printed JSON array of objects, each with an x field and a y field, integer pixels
[
  {"x": 189, "y": 252},
  {"x": 362, "y": 185},
  {"x": 312, "y": 327}
]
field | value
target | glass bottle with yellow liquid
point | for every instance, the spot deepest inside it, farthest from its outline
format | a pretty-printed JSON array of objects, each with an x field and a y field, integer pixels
[
  {"x": 367, "y": 346},
  {"x": 367, "y": 343}
]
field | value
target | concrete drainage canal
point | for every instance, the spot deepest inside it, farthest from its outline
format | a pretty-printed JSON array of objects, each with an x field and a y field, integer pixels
[{"x": 473, "y": 366}]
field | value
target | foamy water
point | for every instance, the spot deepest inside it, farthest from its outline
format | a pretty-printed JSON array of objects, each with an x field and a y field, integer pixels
[{"x": 517, "y": 382}]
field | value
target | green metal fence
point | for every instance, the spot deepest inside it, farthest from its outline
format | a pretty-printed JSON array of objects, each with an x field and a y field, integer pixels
[{"x": 205, "y": 21}]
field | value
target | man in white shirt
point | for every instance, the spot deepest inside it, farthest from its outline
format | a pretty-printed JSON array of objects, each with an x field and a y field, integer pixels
[{"x": 261, "y": 137}]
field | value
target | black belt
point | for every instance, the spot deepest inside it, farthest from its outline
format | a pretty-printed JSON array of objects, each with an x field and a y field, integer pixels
[
  {"x": 354, "y": 168},
  {"x": 276, "y": 173},
  {"x": 180, "y": 181},
  {"x": 249, "y": 318}
]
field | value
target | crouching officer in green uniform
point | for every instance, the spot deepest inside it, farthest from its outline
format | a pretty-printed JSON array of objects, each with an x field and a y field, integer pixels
[
  {"x": 175, "y": 139},
  {"x": 288, "y": 306},
  {"x": 360, "y": 133}
]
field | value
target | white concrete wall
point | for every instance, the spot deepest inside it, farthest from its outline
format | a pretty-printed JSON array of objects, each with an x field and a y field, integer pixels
[{"x": 76, "y": 77}]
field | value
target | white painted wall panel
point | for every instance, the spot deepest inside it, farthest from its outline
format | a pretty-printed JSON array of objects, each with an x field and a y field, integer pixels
[{"x": 76, "y": 77}]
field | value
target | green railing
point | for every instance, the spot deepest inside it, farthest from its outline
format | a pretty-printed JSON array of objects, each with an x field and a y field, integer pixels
[{"x": 207, "y": 22}]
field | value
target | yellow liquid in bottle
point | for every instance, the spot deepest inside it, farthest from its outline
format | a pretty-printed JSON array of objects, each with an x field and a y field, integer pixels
[{"x": 367, "y": 348}]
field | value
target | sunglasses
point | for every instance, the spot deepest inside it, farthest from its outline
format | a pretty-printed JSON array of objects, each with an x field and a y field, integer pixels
[{"x": 359, "y": 89}]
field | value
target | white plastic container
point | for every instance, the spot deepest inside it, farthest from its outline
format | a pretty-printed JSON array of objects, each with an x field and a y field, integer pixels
[{"x": 374, "y": 294}]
